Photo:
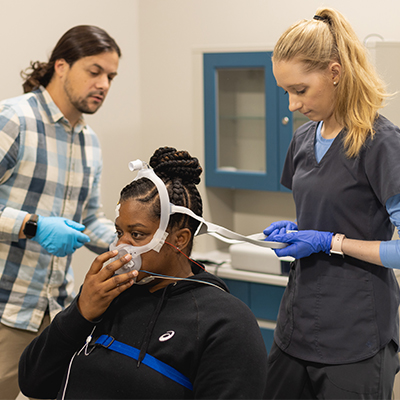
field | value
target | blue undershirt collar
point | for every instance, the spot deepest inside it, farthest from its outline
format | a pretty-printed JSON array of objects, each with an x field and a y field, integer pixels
[{"x": 321, "y": 145}]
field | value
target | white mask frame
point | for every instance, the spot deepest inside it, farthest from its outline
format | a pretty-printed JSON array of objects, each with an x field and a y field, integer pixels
[{"x": 167, "y": 209}]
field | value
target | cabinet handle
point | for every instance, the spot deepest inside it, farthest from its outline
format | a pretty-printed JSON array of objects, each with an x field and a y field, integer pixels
[{"x": 285, "y": 120}]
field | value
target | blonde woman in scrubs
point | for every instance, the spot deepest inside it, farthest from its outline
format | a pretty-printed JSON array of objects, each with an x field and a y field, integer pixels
[{"x": 337, "y": 333}]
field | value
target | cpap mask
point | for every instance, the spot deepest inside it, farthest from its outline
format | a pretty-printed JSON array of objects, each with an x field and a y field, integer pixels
[
  {"x": 167, "y": 209},
  {"x": 160, "y": 235}
]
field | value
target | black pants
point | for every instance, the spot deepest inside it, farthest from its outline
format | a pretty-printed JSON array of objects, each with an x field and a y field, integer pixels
[{"x": 292, "y": 378}]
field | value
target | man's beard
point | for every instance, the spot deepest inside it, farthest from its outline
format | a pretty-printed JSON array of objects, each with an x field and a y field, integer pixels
[{"x": 82, "y": 104}]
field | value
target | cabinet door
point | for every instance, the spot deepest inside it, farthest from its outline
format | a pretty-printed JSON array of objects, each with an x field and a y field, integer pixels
[
  {"x": 248, "y": 126},
  {"x": 263, "y": 300}
]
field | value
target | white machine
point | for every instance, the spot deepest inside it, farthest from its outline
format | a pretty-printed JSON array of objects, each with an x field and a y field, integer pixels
[{"x": 245, "y": 256}]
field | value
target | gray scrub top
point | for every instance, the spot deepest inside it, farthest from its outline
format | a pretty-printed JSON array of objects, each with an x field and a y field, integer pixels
[{"x": 339, "y": 310}]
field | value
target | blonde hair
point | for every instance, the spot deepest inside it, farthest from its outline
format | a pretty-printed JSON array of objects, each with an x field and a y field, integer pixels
[{"x": 360, "y": 92}]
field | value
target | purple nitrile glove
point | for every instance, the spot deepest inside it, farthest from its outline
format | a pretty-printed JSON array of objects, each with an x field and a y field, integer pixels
[
  {"x": 303, "y": 243},
  {"x": 279, "y": 227}
]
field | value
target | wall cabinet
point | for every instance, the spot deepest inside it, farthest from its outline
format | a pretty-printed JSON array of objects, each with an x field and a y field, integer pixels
[
  {"x": 248, "y": 126},
  {"x": 263, "y": 300}
]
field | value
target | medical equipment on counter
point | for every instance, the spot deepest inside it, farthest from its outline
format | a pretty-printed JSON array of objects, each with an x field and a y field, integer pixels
[{"x": 247, "y": 257}]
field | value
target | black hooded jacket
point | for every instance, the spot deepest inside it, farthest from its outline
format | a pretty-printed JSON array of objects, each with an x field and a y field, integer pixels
[{"x": 199, "y": 332}]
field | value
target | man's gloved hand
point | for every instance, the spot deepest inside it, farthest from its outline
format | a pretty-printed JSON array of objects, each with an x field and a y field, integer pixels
[
  {"x": 279, "y": 227},
  {"x": 302, "y": 243},
  {"x": 60, "y": 236}
]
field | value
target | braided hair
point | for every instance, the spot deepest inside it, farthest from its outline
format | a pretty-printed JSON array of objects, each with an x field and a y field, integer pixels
[{"x": 180, "y": 173}]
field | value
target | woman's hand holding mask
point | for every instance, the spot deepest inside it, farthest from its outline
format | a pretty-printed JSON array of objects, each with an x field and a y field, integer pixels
[{"x": 102, "y": 286}]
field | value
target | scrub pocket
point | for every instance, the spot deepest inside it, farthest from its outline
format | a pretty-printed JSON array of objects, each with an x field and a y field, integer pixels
[{"x": 344, "y": 319}]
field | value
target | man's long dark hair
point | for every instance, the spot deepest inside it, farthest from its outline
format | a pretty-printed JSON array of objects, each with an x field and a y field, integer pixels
[{"x": 78, "y": 42}]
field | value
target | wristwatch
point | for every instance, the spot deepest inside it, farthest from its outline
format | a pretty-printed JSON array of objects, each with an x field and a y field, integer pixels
[
  {"x": 337, "y": 244},
  {"x": 31, "y": 226}
]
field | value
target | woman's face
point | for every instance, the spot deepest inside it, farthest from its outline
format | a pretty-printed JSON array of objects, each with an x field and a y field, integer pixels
[
  {"x": 311, "y": 93},
  {"x": 136, "y": 226}
]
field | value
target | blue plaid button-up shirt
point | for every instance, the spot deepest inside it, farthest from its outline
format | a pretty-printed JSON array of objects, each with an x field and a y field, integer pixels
[{"x": 50, "y": 169}]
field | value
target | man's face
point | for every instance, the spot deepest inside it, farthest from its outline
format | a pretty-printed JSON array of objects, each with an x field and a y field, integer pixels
[{"x": 88, "y": 80}]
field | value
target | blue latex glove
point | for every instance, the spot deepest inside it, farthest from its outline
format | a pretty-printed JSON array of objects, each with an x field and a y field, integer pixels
[
  {"x": 279, "y": 227},
  {"x": 302, "y": 243},
  {"x": 60, "y": 236}
]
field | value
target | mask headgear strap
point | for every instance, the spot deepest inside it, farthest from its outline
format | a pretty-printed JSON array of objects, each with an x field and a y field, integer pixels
[
  {"x": 224, "y": 234},
  {"x": 159, "y": 237},
  {"x": 168, "y": 209}
]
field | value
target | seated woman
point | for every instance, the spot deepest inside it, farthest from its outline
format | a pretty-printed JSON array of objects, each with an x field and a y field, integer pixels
[{"x": 179, "y": 335}]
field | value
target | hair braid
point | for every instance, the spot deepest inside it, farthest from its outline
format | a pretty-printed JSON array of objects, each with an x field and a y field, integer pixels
[{"x": 181, "y": 173}]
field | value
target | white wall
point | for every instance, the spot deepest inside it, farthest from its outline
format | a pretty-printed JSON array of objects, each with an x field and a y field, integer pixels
[
  {"x": 173, "y": 35},
  {"x": 157, "y": 98},
  {"x": 30, "y": 30}
]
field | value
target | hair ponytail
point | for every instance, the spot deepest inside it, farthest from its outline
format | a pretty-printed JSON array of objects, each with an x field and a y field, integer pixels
[
  {"x": 360, "y": 92},
  {"x": 37, "y": 74}
]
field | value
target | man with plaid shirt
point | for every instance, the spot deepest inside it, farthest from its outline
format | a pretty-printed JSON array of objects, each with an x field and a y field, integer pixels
[{"x": 50, "y": 167}]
